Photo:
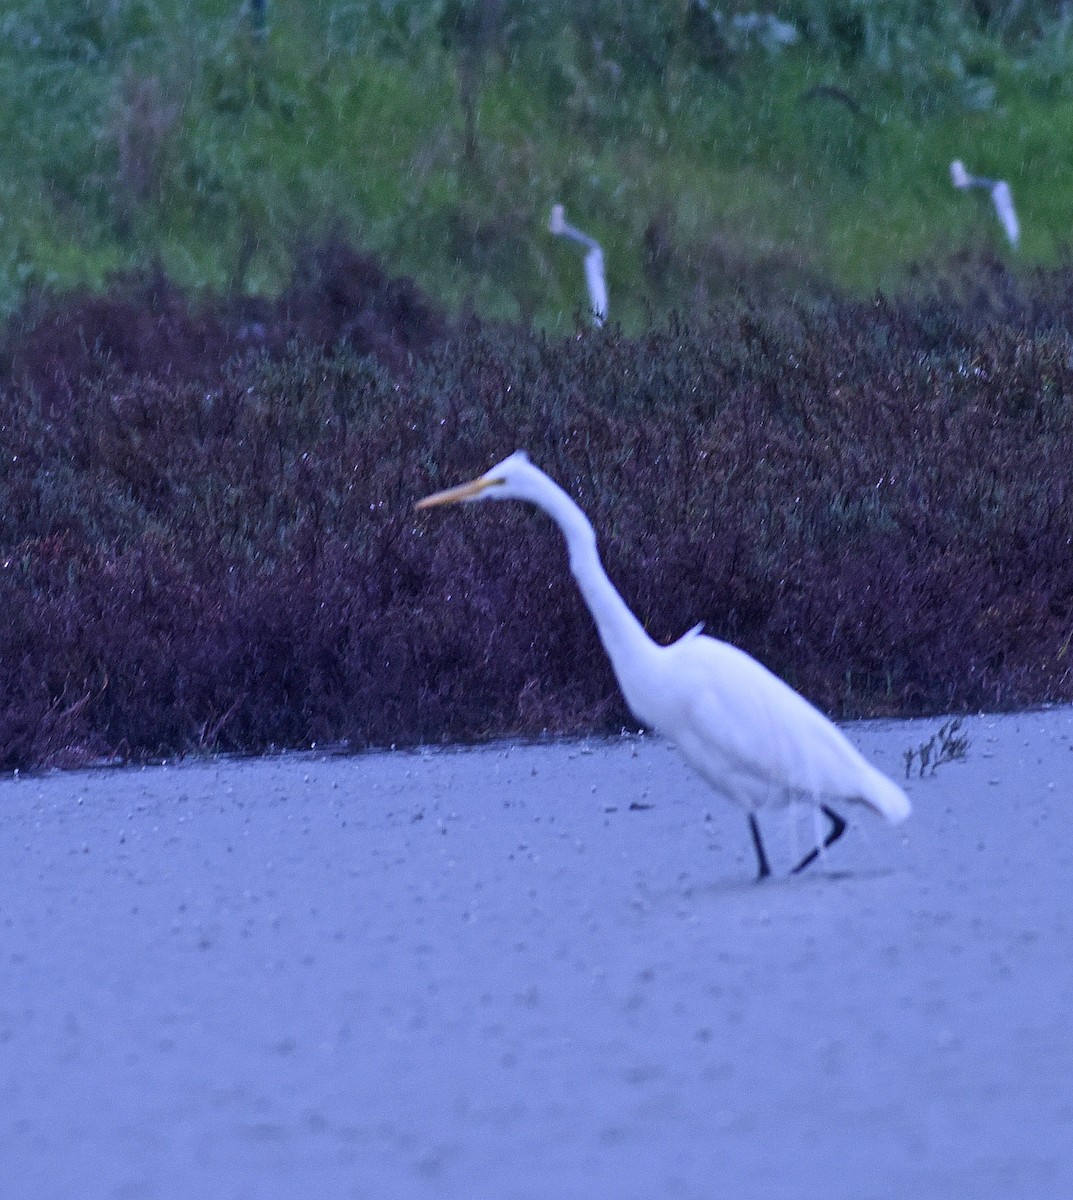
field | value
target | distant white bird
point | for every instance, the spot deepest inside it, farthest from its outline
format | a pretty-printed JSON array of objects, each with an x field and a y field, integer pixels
[
  {"x": 594, "y": 262},
  {"x": 1001, "y": 197},
  {"x": 752, "y": 737}
]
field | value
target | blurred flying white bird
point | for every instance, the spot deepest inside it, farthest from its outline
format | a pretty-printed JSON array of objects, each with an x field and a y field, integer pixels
[
  {"x": 1001, "y": 197},
  {"x": 751, "y": 736},
  {"x": 594, "y": 262}
]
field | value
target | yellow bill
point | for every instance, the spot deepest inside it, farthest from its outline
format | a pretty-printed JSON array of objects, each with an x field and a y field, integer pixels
[{"x": 464, "y": 491}]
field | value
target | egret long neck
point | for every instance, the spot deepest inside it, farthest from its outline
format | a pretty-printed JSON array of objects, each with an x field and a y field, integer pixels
[{"x": 623, "y": 636}]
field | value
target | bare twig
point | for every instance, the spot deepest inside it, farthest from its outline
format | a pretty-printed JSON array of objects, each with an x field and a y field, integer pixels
[{"x": 945, "y": 745}]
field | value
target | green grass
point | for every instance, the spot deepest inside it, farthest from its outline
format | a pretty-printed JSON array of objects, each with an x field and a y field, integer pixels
[{"x": 141, "y": 132}]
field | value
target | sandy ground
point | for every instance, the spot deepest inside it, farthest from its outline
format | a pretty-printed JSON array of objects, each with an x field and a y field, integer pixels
[{"x": 487, "y": 975}]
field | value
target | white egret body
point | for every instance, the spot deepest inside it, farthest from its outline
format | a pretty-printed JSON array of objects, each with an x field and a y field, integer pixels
[
  {"x": 595, "y": 278},
  {"x": 1001, "y": 198},
  {"x": 751, "y": 736}
]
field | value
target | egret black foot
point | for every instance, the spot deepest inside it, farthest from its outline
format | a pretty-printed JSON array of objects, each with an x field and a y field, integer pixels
[
  {"x": 764, "y": 870},
  {"x": 838, "y": 828}
]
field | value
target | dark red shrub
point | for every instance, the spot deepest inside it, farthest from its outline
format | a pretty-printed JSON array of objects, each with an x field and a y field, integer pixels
[{"x": 874, "y": 498}]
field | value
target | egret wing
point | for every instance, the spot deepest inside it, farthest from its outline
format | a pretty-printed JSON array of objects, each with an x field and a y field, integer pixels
[{"x": 746, "y": 730}]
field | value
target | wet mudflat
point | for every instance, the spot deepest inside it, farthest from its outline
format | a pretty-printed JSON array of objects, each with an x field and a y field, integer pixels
[{"x": 531, "y": 972}]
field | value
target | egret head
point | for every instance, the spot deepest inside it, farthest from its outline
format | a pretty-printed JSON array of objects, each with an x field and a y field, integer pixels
[{"x": 515, "y": 478}]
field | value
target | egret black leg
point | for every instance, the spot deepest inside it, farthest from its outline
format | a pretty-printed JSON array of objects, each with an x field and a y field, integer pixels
[
  {"x": 761, "y": 857},
  {"x": 838, "y": 828}
]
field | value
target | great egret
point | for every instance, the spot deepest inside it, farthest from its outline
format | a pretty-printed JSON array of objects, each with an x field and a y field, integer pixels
[
  {"x": 1001, "y": 197},
  {"x": 751, "y": 736},
  {"x": 594, "y": 262}
]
